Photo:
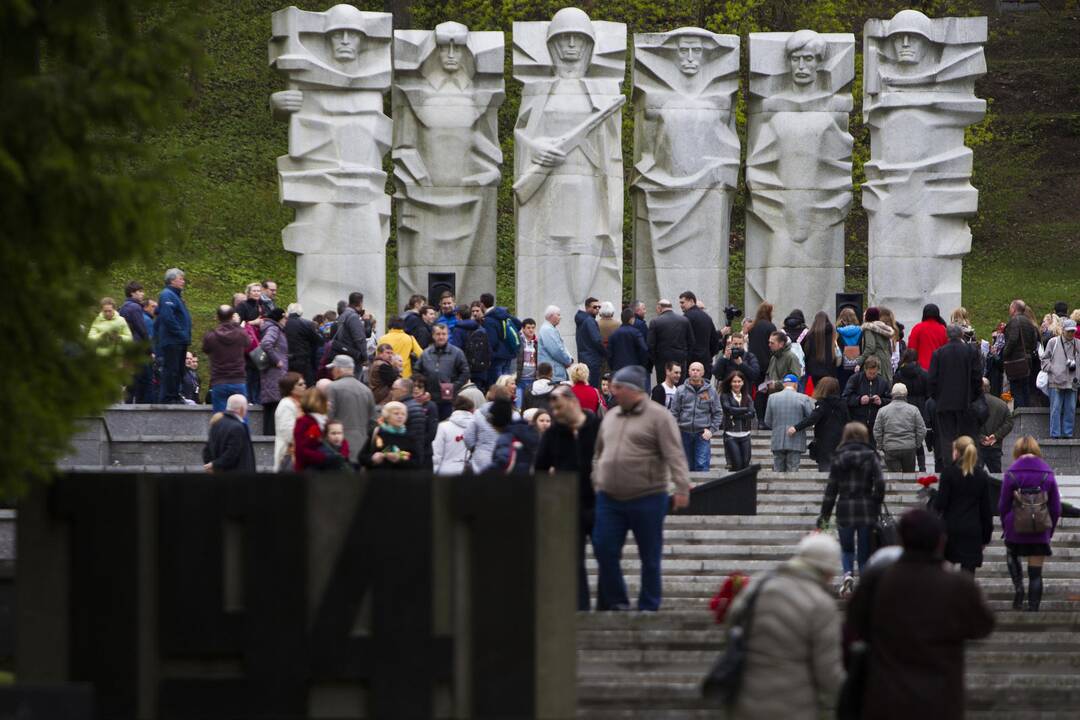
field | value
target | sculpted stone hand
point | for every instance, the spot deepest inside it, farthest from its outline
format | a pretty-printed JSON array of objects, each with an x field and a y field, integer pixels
[
  {"x": 286, "y": 101},
  {"x": 548, "y": 155}
]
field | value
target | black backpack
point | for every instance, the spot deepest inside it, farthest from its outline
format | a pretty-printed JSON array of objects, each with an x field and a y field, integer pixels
[{"x": 478, "y": 351}]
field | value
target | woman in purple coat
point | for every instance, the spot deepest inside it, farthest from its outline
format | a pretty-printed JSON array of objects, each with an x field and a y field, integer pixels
[
  {"x": 276, "y": 345},
  {"x": 1028, "y": 472}
]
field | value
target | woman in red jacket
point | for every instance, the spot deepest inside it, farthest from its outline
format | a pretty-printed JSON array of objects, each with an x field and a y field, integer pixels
[
  {"x": 587, "y": 395},
  {"x": 928, "y": 335},
  {"x": 308, "y": 431}
]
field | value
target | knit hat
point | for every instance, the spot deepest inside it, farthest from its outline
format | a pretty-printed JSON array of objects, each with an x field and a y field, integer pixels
[
  {"x": 631, "y": 376},
  {"x": 872, "y": 314},
  {"x": 899, "y": 390},
  {"x": 1061, "y": 308},
  {"x": 821, "y": 552}
]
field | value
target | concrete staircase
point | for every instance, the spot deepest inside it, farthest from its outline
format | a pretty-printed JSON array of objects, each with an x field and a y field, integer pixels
[{"x": 650, "y": 665}]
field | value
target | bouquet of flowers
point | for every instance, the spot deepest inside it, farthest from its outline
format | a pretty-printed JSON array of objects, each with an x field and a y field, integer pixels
[{"x": 732, "y": 586}]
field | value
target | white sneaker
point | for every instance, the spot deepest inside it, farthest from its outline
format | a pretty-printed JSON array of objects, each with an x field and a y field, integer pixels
[{"x": 847, "y": 586}]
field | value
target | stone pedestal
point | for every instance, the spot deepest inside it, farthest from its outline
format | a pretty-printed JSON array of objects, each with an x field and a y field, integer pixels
[
  {"x": 686, "y": 164},
  {"x": 448, "y": 87},
  {"x": 338, "y": 68},
  {"x": 798, "y": 169},
  {"x": 919, "y": 96}
]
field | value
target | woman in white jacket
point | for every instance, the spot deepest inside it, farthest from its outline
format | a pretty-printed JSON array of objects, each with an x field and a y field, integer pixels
[{"x": 448, "y": 451}]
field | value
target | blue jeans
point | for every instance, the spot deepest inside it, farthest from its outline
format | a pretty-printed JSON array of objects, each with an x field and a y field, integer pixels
[
  {"x": 523, "y": 386},
  {"x": 847, "y": 547},
  {"x": 645, "y": 518},
  {"x": 172, "y": 369},
  {"x": 498, "y": 368},
  {"x": 219, "y": 394},
  {"x": 1062, "y": 412},
  {"x": 698, "y": 452}
]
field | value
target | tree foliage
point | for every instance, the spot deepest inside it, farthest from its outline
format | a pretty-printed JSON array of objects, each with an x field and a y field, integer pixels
[{"x": 83, "y": 82}]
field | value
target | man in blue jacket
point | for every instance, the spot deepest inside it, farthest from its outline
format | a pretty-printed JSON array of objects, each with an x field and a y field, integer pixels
[
  {"x": 172, "y": 335},
  {"x": 590, "y": 347},
  {"x": 132, "y": 312},
  {"x": 626, "y": 346},
  {"x": 503, "y": 331}
]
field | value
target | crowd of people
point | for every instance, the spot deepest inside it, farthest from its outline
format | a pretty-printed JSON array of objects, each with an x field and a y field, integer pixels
[{"x": 469, "y": 388}]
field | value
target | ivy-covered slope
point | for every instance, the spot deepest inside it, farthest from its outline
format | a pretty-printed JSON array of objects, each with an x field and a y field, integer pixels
[{"x": 1026, "y": 153}]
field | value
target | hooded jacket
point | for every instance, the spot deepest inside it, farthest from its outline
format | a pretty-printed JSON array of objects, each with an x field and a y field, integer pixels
[
  {"x": 226, "y": 346},
  {"x": 795, "y": 325},
  {"x": 850, "y": 335},
  {"x": 877, "y": 341},
  {"x": 539, "y": 394},
  {"x": 783, "y": 362},
  {"x": 497, "y": 323},
  {"x": 697, "y": 409},
  {"x": 515, "y": 449},
  {"x": 448, "y": 450},
  {"x": 856, "y": 486},
  {"x": 590, "y": 347}
]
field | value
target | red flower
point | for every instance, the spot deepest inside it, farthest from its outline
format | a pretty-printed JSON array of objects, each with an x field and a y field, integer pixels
[{"x": 927, "y": 480}]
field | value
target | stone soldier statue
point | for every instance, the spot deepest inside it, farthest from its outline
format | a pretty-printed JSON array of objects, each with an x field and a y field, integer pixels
[
  {"x": 568, "y": 162},
  {"x": 448, "y": 87},
  {"x": 919, "y": 96},
  {"x": 338, "y": 68},
  {"x": 798, "y": 169},
  {"x": 686, "y": 167}
]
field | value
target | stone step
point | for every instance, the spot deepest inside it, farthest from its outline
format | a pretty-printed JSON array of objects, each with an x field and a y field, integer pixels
[
  {"x": 720, "y": 567},
  {"x": 177, "y": 450},
  {"x": 781, "y": 552},
  {"x": 126, "y": 421}
]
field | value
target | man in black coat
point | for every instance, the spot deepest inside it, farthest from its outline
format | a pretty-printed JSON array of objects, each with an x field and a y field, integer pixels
[
  {"x": 706, "y": 338},
  {"x": 305, "y": 344},
  {"x": 626, "y": 346},
  {"x": 229, "y": 447},
  {"x": 670, "y": 338},
  {"x": 568, "y": 446},
  {"x": 1021, "y": 341},
  {"x": 867, "y": 392},
  {"x": 590, "y": 348},
  {"x": 954, "y": 381}
]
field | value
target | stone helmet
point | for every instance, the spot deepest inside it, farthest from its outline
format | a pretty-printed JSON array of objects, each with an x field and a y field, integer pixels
[
  {"x": 571, "y": 20},
  {"x": 344, "y": 17},
  {"x": 451, "y": 32},
  {"x": 911, "y": 22}
]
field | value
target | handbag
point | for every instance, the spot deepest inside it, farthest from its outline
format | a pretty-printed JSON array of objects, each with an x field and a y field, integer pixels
[
  {"x": 886, "y": 531},
  {"x": 1031, "y": 510},
  {"x": 725, "y": 678},
  {"x": 260, "y": 358}
]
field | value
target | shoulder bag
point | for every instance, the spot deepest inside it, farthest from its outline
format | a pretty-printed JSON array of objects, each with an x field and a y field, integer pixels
[
  {"x": 886, "y": 531},
  {"x": 725, "y": 678},
  {"x": 1021, "y": 367},
  {"x": 1031, "y": 511},
  {"x": 259, "y": 358}
]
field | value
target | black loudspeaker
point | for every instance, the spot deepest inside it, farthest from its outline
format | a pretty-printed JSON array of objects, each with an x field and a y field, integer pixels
[
  {"x": 438, "y": 283},
  {"x": 851, "y": 300}
]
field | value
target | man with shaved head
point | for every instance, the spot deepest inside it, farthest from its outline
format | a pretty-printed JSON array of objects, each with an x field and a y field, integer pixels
[{"x": 696, "y": 407}]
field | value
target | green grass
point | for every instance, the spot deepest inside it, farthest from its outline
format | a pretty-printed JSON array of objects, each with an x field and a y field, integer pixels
[{"x": 1026, "y": 160}]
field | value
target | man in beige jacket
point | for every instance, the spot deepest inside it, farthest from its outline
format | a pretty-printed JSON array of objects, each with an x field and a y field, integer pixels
[{"x": 638, "y": 449}]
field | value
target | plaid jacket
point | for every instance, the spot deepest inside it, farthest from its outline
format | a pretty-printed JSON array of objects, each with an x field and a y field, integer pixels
[{"x": 856, "y": 486}]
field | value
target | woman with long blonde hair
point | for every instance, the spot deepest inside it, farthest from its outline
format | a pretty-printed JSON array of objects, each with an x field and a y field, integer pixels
[{"x": 964, "y": 502}]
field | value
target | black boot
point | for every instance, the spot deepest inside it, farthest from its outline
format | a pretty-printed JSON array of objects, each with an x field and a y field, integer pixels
[
  {"x": 1016, "y": 572},
  {"x": 1034, "y": 588}
]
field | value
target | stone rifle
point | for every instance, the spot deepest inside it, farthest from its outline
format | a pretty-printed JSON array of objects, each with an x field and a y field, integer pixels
[{"x": 531, "y": 180}]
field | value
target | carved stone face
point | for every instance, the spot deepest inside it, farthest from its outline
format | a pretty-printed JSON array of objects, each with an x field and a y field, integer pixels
[
  {"x": 909, "y": 48},
  {"x": 450, "y": 56},
  {"x": 571, "y": 53},
  {"x": 690, "y": 51},
  {"x": 804, "y": 65},
  {"x": 345, "y": 44}
]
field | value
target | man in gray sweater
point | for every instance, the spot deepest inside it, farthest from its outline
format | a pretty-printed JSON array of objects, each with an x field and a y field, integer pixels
[
  {"x": 638, "y": 449},
  {"x": 899, "y": 430}
]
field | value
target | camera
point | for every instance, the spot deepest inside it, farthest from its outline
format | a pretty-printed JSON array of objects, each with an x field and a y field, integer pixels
[
  {"x": 731, "y": 312},
  {"x": 1071, "y": 365},
  {"x": 737, "y": 353}
]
